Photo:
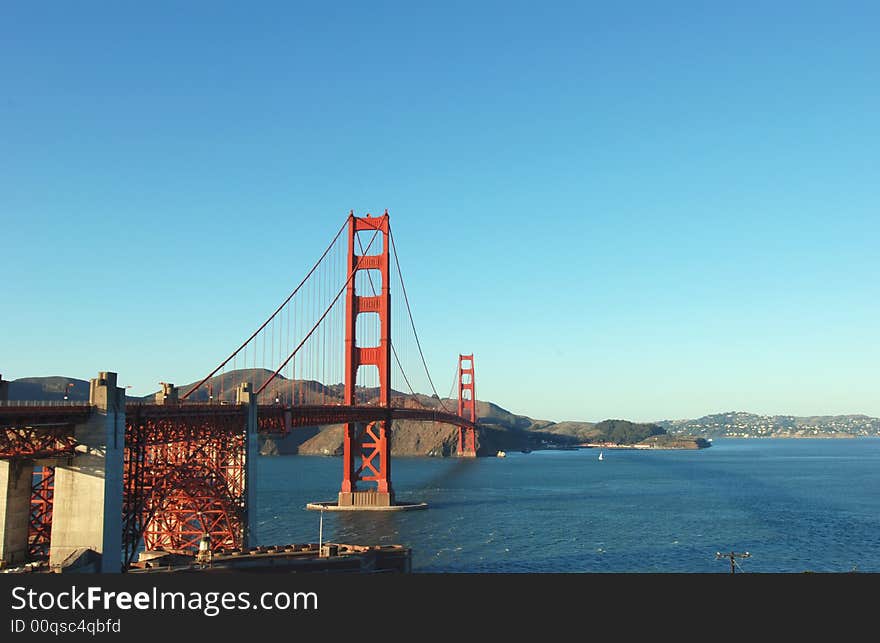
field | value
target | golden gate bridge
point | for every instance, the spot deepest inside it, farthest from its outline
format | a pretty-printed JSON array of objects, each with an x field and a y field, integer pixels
[{"x": 166, "y": 473}]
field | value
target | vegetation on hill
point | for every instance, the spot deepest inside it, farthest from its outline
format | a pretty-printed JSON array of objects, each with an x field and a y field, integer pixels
[
  {"x": 625, "y": 432},
  {"x": 577, "y": 431}
]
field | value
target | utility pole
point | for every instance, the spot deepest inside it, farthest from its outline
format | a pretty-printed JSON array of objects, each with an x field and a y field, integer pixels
[{"x": 733, "y": 556}]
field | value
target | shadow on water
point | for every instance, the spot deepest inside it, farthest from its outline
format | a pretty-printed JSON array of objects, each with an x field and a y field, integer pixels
[
  {"x": 452, "y": 472},
  {"x": 371, "y": 527},
  {"x": 391, "y": 527}
]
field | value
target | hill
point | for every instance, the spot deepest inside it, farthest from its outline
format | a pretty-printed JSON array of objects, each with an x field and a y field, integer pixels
[
  {"x": 625, "y": 432},
  {"x": 577, "y": 431},
  {"x": 51, "y": 388}
]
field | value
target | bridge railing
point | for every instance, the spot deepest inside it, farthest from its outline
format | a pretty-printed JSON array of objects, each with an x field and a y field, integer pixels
[{"x": 45, "y": 403}]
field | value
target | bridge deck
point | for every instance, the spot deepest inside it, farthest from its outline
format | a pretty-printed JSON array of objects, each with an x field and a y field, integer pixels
[{"x": 33, "y": 430}]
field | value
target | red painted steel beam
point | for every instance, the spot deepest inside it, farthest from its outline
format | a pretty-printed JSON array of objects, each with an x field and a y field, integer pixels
[
  {"x": 40, "y": 522},
  {"x": 184, "y": 476},
  {"x": 173, "y": 423},
  {"x": 271, "y": 417},
  {"x": 37, "y": 442},
  {"x": 189, "y": 410},
  {"x": 28, "y": 431}
]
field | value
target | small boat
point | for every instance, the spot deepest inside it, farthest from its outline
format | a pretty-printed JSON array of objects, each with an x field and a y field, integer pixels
[
  {"x": 501, "y": 454},
  {"x": 601, "y": 457}
]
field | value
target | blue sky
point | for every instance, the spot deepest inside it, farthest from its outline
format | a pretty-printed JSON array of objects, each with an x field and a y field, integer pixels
[{"x": 639, "y": 210}]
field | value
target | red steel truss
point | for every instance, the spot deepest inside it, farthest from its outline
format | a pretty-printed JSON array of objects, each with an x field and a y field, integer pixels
[
  {"x": 29, "y": 431},
  {"x": 33, "y": 431},
  {"x": 40, "y": 523},
  {"x": 36, "y": 442},
  {"x": 371, "y": 442},
  {"x": 272, "y": 418},
  {"x": 185, "y": 465},
  {"x": 184, "y": 477},
  {"x": 467, "y": 406}
]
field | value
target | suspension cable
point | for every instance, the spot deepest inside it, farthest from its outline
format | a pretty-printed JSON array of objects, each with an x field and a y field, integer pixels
[
  {"x": 454, "y": 380},
  {"x": 318, "y": 323},
  {"x": 271, "y": 317},
  {"x": 393, "y": 349},
  {"x": 412, "y": 323}
]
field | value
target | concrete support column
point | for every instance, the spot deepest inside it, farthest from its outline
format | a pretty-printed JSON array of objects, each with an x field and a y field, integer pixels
[
  {"x": 15, "y": 507},
  {"x": 87, "y": 512},
  {"x": 245, "y": 395},
  {"x": 168, "y": 394}
]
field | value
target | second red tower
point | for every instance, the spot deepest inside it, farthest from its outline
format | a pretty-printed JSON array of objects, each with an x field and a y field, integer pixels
[{"x": 467, "y": 406}]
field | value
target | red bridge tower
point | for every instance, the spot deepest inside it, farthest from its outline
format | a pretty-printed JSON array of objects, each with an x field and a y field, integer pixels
[
  {"x": 371, "y": 443},
  {"x": 467, "y": 406}
]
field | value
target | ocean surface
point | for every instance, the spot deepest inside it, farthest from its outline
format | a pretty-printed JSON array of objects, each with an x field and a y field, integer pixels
[{"x": 794, "y": 504}]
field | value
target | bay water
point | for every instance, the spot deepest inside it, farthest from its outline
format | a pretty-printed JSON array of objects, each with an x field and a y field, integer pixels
[{"x": 794, "y": 504}]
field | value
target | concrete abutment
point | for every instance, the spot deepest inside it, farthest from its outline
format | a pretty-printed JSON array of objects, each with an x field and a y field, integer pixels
[
  {"x": 15, "y": 506},
  {"x": 87, "y": 511}
]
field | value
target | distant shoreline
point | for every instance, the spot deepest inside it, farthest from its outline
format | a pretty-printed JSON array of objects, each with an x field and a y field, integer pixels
[
  {"x": 597, "y": 445},
  {"x": 654, "y": 443},
  {"x": 819, "y": 436}
]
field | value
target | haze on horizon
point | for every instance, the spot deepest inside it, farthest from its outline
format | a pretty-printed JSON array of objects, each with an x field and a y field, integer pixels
[{"x": 642, "y": 212}]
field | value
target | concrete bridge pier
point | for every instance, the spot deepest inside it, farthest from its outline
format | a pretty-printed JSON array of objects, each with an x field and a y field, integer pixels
[
  {"x": 15, "y": 507},
  {"x": 168, "y": 394},
  {"x": 245, "y": 395},
  {"x": 87, "y": 508}
]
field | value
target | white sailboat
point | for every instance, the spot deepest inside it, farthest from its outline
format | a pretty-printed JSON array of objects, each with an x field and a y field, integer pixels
[{"x": 601, "y": 457}]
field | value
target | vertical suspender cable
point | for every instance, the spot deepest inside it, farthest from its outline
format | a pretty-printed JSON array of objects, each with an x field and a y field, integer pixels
[
  {"x": 393, "y": 349},
  {"x": 289, "y": 297},
  {"x": 409, "y": 312},
  {"x": 314, "y": 326}
]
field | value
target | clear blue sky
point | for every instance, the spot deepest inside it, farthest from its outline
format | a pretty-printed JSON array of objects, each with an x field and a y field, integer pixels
[{"x": 642, "y": 210}]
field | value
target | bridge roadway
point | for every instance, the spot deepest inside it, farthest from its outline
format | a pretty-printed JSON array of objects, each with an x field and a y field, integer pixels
[
  {"x": 37, "y": 431},
  {"x": 318, "y": 415}
]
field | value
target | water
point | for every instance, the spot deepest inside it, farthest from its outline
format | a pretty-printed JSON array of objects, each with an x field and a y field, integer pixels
[{"x": 795, "y": 505}]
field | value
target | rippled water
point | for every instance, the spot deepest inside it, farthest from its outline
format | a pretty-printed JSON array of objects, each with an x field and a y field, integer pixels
[{"x": 795, "y": 505}]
